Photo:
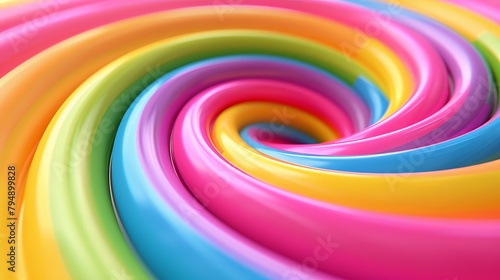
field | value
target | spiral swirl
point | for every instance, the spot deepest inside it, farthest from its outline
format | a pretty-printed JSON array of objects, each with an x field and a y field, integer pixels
[{"x": 250, "y": 139}]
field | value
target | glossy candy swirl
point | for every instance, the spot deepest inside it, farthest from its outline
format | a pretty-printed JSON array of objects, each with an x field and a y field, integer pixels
[{"x": 250, "y": 139}]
